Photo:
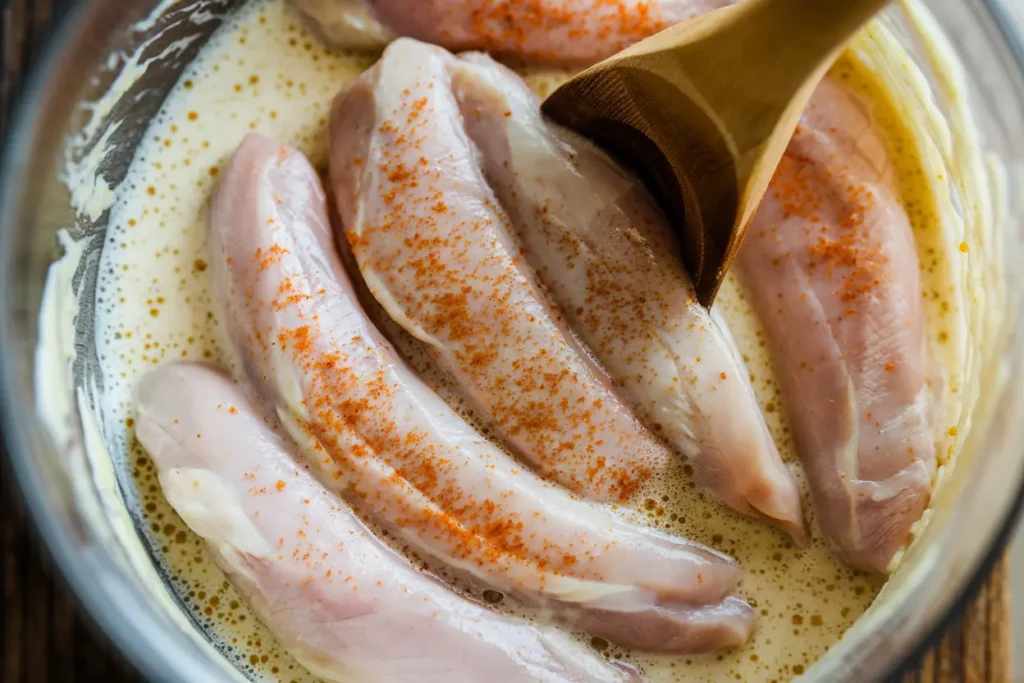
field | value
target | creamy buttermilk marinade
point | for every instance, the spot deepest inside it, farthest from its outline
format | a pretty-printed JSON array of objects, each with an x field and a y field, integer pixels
[{"x": 263, "y": 72}]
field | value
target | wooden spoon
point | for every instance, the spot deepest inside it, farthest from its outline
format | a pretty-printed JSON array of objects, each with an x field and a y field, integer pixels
[{"x": 704, "y": 110}]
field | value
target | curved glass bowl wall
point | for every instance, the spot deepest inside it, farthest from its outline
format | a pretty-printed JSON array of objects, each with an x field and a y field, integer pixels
[{"x": 94, "y": 542}]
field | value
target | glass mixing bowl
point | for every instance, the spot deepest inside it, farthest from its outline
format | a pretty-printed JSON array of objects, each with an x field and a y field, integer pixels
[{"x": 75, "y": 498}]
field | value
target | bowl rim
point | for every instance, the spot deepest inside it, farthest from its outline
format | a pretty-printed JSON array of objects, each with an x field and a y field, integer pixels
[
  {"x": 17, "y": 422},
  {"x": 128, "y": 630}
]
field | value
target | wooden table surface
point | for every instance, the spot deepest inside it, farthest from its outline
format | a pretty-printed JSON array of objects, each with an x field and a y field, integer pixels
[{"x": 46, "y": 638}]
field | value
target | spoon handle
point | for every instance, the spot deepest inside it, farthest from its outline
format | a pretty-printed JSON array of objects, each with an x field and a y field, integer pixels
[
  {"x": 776, "y": 51},
  {"x": 704, "y": 110},
  {"x": 803, "y": 31},
  {"x": 784, "y": 43},
  {"x": 749, "y": 69},
  {"x": 765, "y": 51}
]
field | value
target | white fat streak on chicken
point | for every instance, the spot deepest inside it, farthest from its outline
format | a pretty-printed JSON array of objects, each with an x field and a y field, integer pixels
[
  {"x": 341, "y": 601},
  {"x": 599, "y": 243},
  {"x": 349, "y": 24}
]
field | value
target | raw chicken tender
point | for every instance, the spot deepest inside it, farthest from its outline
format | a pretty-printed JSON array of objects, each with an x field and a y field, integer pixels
[
  {"x": 604, "y": 251},
  {"x": 831, "y": 264},
  {"x": 390, "y": 444},
  {"x": 343, "y": 604},
  {"x": 434, "y": 248},
  {"x": 549, "y": 31}
]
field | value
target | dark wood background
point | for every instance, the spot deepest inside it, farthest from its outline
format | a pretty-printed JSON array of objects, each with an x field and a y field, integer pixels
[{"x": 46, "y": 638}]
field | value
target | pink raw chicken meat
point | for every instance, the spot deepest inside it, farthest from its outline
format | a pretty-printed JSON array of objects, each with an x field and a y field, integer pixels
[
  {"x": 606, "y": 254},
  {"x": 547, "y": 31},
  {"x": 435, "y": 249},
  {"x": 341, "y": 602},
  {"x": 831, "y": 263},
  {"x": 392, "y": 446}
]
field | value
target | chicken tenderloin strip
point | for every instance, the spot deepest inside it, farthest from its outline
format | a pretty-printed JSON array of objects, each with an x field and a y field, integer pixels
[
  {"x": 831, "y": 264},
  {"x": 399, "y": 452},
  {"x": 434, "y": 249},
  {"x": 578, "y": 32},
  {"x": 342, "y": 603},
  {"x": 603, "y": 250}
]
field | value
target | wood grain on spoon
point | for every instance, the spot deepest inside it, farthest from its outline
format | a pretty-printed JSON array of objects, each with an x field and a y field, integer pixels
[{"x": 704, "y": 110}]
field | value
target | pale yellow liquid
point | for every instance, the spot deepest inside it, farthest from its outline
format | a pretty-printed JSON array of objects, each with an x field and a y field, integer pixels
[{"x": 263, "y": 72}]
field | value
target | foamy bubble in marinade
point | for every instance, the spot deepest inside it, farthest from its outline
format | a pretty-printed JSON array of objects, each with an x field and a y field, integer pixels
[{"x": 263, "y": 72}]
